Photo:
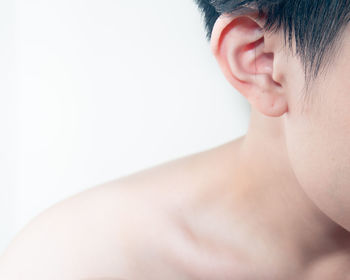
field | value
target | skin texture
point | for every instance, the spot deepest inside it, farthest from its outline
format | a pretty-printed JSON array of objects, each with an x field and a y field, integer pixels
[
  {"x": 273, "y": 204},
  {"x": 315, "y": 133}
]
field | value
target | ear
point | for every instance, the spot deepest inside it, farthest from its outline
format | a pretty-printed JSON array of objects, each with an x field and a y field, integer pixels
[{"x": 239, "y": 45}]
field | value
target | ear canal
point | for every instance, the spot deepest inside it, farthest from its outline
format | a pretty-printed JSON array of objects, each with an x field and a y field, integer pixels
[
  {"x": 255, "y": 60},
  {"x": 238, "y": 43}
]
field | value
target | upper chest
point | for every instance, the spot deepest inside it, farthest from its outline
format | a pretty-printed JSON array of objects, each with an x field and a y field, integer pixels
[
  {"x": 335, "y": 266},
  {"x": 169, "y": 248}
]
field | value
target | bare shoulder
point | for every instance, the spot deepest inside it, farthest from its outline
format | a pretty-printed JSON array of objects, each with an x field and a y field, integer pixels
[
  {"x": 102, "y": 232},
  {"x": 96, "y": 232},
  {"x": 71, "y": 238}
]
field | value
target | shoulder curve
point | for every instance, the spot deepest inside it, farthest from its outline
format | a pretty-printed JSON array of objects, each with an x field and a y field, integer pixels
[{"x": 64, "y": 241}]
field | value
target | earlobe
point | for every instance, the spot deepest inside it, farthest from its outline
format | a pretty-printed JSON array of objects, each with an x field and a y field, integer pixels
[{"x": 238, "y": 43}]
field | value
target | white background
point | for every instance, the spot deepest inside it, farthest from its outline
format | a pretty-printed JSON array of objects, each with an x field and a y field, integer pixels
[{"x": 97, "y": 89}]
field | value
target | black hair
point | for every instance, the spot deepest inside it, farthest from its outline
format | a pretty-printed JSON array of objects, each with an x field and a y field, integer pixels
[{"x": 316, "y": 25}]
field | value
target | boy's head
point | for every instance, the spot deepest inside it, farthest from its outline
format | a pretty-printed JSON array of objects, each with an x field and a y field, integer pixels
[{"x": 291, "y": 59}]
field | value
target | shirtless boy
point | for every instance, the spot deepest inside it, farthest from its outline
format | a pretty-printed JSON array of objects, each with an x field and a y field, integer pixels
[{"x": 273, "y": 204}]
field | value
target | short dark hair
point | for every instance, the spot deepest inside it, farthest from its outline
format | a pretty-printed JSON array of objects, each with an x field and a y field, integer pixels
[{"x": 316, "y": 25}]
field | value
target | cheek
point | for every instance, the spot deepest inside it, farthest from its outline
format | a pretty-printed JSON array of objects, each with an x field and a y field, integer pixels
[{"x": 318, "y": 142}]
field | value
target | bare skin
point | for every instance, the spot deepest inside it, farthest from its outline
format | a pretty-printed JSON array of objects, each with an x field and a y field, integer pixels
[
  {"x": 185, "y": 219},
  {"x": 274, "y": 204}
]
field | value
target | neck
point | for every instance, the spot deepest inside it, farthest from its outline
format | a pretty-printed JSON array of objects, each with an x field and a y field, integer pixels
[{"x": 267, "y": 179}]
